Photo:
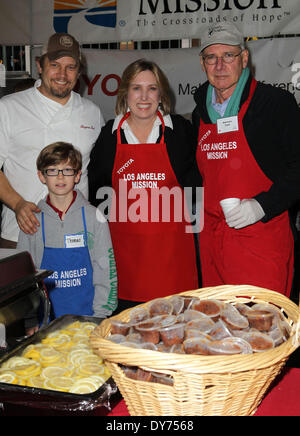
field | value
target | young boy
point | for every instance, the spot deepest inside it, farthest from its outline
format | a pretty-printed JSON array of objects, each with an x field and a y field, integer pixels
[{"x": 71, "y": 241}]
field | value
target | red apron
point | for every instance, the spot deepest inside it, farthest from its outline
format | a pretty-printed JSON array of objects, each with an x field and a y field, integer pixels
[
  {"x": 260, "y": 254},
  {"x": 153, "y": 259}
]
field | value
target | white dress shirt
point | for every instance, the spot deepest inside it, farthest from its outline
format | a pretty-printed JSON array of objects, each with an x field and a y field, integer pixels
[{"x": 154, "y": 134}]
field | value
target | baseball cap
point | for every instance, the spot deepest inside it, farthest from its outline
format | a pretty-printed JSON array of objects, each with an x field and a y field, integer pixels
[
  {"x": 62, "y": 44},
  {"x": 224, "y": 33}
]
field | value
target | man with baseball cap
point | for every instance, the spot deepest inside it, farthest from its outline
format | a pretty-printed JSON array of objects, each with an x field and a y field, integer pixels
[
  {"x": 29, "y": 120},
  {"x": 60, "y": 45},
  {"x": 222, "y": 34},
  {"x": 63, "y": 51},
  {"x": 248, "y": 149}
]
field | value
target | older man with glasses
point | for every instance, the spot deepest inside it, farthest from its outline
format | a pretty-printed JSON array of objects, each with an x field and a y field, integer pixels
[{"x": 248, "y": 153}]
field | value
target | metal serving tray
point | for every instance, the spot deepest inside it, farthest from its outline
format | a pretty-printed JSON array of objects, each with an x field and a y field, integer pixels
[
  {"x": 46, "y": 398},
  {"x": 22, "y": 290}
]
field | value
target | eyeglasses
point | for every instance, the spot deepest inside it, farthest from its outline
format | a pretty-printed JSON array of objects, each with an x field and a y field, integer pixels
[
  {"x": 55, "y": 172},
  {"x": 228, "y": 58}
]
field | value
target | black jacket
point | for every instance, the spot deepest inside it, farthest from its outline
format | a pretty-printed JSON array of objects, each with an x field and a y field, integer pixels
[
  {"x": 180, "y": 143},
  {"x": 272, "y": 129}
]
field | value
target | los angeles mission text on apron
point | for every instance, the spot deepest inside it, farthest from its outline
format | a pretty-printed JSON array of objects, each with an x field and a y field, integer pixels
[{"x": 154, "y": 258}]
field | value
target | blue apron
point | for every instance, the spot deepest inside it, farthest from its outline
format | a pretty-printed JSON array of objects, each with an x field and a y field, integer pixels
[{"x": 70, "y": 287}]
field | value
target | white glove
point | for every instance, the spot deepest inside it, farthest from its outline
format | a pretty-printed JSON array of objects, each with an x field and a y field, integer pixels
[{"x": 246, "y": 213}]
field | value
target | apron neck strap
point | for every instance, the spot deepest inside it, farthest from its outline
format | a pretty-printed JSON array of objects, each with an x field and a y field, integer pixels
[
  {"x": 43, "y": 228},
  {"x": 247, "y": 102},
  {"x": 127, "y": 116},
  {"x": 162, "y": 141},
  {"x": 84, "y": 225}
]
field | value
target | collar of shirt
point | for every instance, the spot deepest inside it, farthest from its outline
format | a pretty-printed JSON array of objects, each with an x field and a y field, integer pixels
[
  {"x": 52, "y": 106},
  {"x": 154, "y": 134},
  {"x": 59, "y": 212},
  {"x": 219, "y": 107}
]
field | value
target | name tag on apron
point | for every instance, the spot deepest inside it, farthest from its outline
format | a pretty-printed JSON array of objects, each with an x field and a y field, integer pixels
[
  {"x": 74, "y": 241},
  {"x": 228, "y": 124}
]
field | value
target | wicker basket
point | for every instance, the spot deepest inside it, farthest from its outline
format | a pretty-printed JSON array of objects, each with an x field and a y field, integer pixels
[{"x": 202, "y": 385}]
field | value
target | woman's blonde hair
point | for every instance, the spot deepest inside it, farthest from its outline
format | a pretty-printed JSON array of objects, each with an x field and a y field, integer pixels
[{"x": 131, "y": 72}]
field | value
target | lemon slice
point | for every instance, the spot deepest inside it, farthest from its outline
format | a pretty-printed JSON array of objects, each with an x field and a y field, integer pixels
[
  {"x": 49, "y": 354},
  {"x": 64, "y": 331},
  {"x": 90, "y": 359},
  {"x": 47, "y": 341},
  {"x": 74, "y": 325},
  {"x": 32, "y": 354},
  {"x": 15, "y": 361},
  {"x": 107, "y": 373},
  {"x": 39, "y": 347},
  {"x": 62, "y": 338},
  {"x": 59, "y": 383},
  {"x": 72, "y": 331},
  {"x": 91, "y": 369},
  {"x": 8, "y": 377},
  {"x": 62, "y": 342},
  {"x": 80, "y": 337},
  {"x": 62, "y": 362},
  {"x": 75, "y": 356},
  {"x": 29, "y": 348},
  {"x": 84, "y": 386},
  {"x": 6, "y": 371},
  {"x": 35, "y": 382},
  {"x": 22, "y": 381},
  {"x": 99, "y": 379},
  {"x": 82, "y": 389},
  {"x": 80, "y": 346},
  {"x": 29, "y": 370},
  {"x": 88, "y": 327},
  {"x": 54, "y": 371}
]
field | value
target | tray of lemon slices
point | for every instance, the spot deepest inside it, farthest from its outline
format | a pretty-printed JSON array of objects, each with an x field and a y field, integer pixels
[{"x": 57, "y": 369}]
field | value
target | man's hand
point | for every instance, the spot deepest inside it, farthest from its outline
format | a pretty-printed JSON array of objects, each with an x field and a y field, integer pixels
[
  {"x": 246, "y": 213},
  {"x": 32, "y": 330},
  {"x": 25, "y": 215}
]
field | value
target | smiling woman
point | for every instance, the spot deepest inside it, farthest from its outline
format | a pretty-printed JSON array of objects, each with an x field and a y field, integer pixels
[
  {"x": 146, "y": 150},
  {"x": 143, "y": 99}
]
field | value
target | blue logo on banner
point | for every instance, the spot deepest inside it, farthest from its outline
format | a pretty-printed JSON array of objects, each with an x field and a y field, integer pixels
[{"x": 98, "y": 12}]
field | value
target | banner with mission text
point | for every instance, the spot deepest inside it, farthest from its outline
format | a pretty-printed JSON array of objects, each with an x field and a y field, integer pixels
[
  {"x": 175, "y": 19},
  {"x": 96, "y": 21}
]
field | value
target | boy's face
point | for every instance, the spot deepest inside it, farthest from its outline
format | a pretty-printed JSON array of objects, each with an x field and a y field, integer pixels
[{"x": 60, "y": 184}]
